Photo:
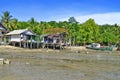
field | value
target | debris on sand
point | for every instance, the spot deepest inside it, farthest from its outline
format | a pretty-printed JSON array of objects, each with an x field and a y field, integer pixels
[{"x": 4, "y": 61}]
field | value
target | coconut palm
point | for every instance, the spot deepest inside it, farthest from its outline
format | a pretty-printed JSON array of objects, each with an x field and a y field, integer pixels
[
  {"x": 32, "y": 23},
  {"x": 14, "y": 24},
  {"x": 6, "y": 18}
]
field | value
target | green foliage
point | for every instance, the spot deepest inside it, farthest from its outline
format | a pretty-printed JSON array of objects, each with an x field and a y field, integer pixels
[
  {"x": 110, "y": 33},
  {"x": 6, "y": 18},
  {"x": 72, "y": 20},
  {"x": 87, "y": 32}
]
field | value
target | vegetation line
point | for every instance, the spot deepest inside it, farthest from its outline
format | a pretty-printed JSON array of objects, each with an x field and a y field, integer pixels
[{"x": 78, "y": 33}]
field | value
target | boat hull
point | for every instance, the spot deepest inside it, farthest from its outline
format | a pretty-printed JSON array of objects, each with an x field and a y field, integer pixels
[{"x": 103, "y": 48}]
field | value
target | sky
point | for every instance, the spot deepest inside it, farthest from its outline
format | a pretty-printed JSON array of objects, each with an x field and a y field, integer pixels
[{"x": 102, "y": 11}]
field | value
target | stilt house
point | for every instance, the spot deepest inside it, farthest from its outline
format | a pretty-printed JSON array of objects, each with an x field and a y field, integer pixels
[{"x": 23, "y": 35}]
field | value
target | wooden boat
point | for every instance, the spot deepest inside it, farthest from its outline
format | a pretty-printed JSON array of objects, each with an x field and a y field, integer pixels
[{"x": 108, "y": 48}]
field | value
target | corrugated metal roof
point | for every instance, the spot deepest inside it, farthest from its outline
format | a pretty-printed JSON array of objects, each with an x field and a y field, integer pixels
[{"x": 17, "y": 32}]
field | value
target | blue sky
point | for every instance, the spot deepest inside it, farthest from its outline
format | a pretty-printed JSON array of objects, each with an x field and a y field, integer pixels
[{"x": 103, "y": 11}]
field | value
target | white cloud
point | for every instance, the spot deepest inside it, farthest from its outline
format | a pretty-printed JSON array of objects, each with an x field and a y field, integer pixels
[{"x": 104, "y": 18}]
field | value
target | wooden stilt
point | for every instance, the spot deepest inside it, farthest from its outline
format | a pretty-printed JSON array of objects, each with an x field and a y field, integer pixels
[
  {"x": 31, "y": 45},
  {"x": 24, "y": 44},
  {"x": 31, "y": 42},
  {"x": 60, "y": 46},
  {"x": 47, "y": 45},
  {"x": 53, "y": 46},
  {"x": 14, "y": 44},
  {"x": 27, "y": 45},
  {"x": 37, "y": 44},
  {"x": 20, "y": 44}
]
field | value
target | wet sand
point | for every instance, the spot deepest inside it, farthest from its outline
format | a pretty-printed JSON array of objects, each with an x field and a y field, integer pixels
[{"x": 69, "y": 64}]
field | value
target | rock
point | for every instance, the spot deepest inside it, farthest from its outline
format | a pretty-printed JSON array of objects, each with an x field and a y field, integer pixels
[
  {"x": 79, "y": 51},
  {"x": 1, "y": 61},
  {"x": 4, "y": 61},
  {"x": 86, "y": 52},
  {"x": 27, "y": 63}
]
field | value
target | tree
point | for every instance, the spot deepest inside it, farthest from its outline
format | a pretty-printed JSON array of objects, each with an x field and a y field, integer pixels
[
  {"x": 23, "y": 25},
  {"x": 14, "y": 24},
  {"x": 72, "y": 20},
  {"x": 44, "y": 25},
  {"x": 116, "y": 31},
  {"x": 6, "y": 18},
  {"x": 53, "y": 24},
  {"x": 63, "y": 24},
  {"x": 32, "y": 23},
  {"x": 72, "y": 30},
  {"x": 108, "y": 38},
  {"x": 89, "y": 31},
  {"x": 110, "y": 34}
]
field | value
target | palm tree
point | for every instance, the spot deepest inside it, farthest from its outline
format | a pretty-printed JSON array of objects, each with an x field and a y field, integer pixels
[
  {"x": 32, "y": 23},
  {"x": 6, "y": 18},
  {"x": 14, "y": 24},
  {"x": 32, "y": 20},
  {"x": 44, "y": 25}
]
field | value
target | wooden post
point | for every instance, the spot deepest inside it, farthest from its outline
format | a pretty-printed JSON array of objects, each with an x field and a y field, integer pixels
[
  {"x": 20, "y": 40},
  {"x": 14, "y": 44},
  {"x": 24, "y": 44},
  {"x": 20, "y": 44},
  {"x": 5, "y": 42},
  {"x": 34, "y": 44},
  {"x": 60, "y": 47},
  {"x": 47, "y": 45},
  {"x": 37, "y": 41},
  {"x": 37, "y": 44},
  {"x": 31, "y": 42},
  {"x": 27, "y": 44},
  {"x": 43, "y": 45},
  {"x": 70, "y": 42},
  {"x": 53, "y": 46}
]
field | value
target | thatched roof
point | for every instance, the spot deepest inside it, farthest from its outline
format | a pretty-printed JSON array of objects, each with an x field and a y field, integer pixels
[{"x": 55, "y": 30}]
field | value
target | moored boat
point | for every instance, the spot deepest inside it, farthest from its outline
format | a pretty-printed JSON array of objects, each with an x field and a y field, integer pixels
[{"x": 96, "y": 46}]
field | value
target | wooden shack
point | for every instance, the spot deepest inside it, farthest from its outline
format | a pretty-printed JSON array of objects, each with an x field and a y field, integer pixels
[{"x": 57, "y": 40}]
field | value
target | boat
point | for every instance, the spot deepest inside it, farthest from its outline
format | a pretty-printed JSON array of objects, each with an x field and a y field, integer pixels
[{"x": 96, "y": 46}]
